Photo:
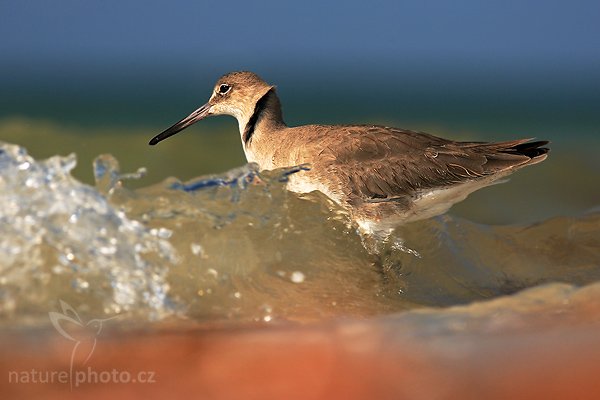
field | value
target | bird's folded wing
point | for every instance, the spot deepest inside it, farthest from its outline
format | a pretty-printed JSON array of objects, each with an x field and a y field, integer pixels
[{"x": 388, "y": 164}]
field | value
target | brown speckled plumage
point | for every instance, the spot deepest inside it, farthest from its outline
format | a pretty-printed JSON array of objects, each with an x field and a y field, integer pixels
[{"x": 383, "y": 176}]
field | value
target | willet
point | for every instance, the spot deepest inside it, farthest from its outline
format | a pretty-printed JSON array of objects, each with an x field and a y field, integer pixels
[{"x": 382, "y": 176}]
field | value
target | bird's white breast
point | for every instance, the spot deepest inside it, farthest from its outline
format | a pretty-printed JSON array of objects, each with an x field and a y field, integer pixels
[{"x": 301, "y": 182}]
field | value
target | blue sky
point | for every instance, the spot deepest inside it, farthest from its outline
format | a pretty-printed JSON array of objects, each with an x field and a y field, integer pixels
[
  {"x": 214, "y": 36},
  {"x": 130, "y": 61}
]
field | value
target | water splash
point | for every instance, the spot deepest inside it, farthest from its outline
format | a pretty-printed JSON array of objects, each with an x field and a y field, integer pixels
[
  {"x": 59, "y": 237},
  {"x": 107, "y": 174}
]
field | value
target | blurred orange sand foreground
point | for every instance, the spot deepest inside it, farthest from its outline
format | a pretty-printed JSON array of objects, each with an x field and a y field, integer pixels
[{"x": 529, "y": 353}]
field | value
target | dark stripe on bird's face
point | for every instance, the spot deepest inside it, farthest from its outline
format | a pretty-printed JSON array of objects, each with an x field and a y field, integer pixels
[{"x": 258, "y": 109}]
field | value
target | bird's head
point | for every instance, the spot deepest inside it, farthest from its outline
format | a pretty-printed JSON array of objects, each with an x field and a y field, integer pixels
[{"x": 235, "y": 94}]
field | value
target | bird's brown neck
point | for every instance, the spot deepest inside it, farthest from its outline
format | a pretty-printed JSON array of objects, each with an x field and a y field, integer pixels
[{"x": 267, "y": 116}]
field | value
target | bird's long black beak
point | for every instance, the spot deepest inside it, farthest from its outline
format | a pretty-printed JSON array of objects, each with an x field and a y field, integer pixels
[{"x": 194, "y": 117}]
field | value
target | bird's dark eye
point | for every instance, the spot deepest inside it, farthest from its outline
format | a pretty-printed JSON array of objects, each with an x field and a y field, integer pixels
[{"x": 224, "y": 88}]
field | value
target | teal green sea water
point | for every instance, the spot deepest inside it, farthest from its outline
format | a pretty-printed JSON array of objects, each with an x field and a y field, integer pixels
[{"x": 120, "y": 117}]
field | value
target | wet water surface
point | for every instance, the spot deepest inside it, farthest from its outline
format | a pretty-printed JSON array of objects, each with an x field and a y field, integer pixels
[{"x": 239, "y": 247}]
